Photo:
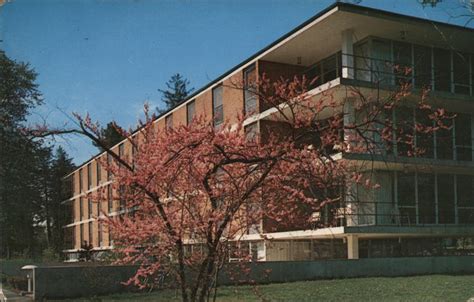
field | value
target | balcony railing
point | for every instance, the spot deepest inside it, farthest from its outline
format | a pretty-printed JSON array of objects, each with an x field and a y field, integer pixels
[
  {"x": 389, "y": 72},
  {"x": 369, "y": 213}
]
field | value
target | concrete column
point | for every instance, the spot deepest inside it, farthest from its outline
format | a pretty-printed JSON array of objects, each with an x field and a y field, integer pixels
[
  {"x": 347, "y": 54},
  {"x": 352, "y": 247}
]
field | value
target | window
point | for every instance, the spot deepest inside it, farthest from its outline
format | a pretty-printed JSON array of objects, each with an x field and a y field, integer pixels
[
  {"x": 381, "y": 61},
  {"x": 121, "y": 150},
  {"x": 169, "y": 121},
  {"x": 251, "y": 131},
  {"x": 217, "y": 105},
  {"x": 405, "y": 126},
  {"x": 362, "y": 61},
  {"x": 91, "y": 232},
  {"x": 330, "y": 68},
  {"x": 461, "y": 72},
  {"x": 89, "y": 204},
  {"x": 109, "y": 235},
  {"x": 446, "y": 205},
  {"x": 110, "y": 200},
  {"x": 465, "y": 194},
  {"x": 99, "y": 234},
  {"x": 406, "y": 198},
  {"x": 98, "y": 172},
  {"x": 250, "y": 86},
  {"x": 122, "y": 202},
  {"x": 426, "y": 199},
  {"x": 463, "y": 137},
  {"x": 444, "y": 141},
  {"x": 109, "y": 164},
  {"x": 313, "y": 74},
  {"x": 89, "y": 177},
  {"x": 81, "y": 208},
  {"x": 81, "y": 234},
  {"x": 442, "y": 69},
  {"x": 424, "y": 141},
  {"x": 80, "y": 180},
  {"x": 190, "y": 110},
  {"x": 422, "y": 60},
  {"x": 402, "y": 62}
]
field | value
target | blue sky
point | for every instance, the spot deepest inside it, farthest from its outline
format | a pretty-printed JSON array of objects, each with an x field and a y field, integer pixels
[{"x": 108, "y": 57}]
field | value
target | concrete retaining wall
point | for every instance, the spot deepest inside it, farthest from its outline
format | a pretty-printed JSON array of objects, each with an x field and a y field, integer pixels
[
  {"x": 273, "y": 272},
  {"x": 75, "y": 281}
]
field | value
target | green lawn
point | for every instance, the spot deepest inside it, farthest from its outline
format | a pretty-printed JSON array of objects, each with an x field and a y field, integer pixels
[{"x": 421, "y": 288}]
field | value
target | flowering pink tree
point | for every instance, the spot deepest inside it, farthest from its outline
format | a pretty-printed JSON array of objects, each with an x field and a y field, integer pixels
[{"x": 205, "y": 187}]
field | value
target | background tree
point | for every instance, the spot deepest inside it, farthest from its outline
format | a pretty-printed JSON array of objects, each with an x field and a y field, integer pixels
[
  {"x": 30, "y": 175},
  {"x": 176, "y": 91},
  {"x": 52, "y": 213},
  {"x": 20, "y": 172},
  {"x": 109, "y": 136}
]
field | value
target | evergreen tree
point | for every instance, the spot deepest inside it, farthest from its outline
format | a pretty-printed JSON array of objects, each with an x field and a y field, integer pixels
[
  {"x": 57, "y": 214},
  {"x": 22, "y": 161},
  {"x": 110, "y": 136},
  {"x": 176, "y": 92}
]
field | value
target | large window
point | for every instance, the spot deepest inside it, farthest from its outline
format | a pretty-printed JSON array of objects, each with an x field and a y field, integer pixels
[
  {"x": 190, "y": 111},
  {"x": 446, "y": 204},
  {"x": 217, "y": 105},
  {"x": 425, "y": 67},
  {"x": 440, "y": 144},
  {"x": 465, "y": 200},
  {"x": 424, "y": 138},
  {"x": 462, "y": 128},
  {"x": 461, "y": 72},
  {"x": 406, "y": 193},
  {"x": 250, "y": 82},
  {"x": 402, "y": 53},
  {"x": 426, "y": 199},
  {"x": 422, "y": 68},
  {"x": 404, "y": 121},
  {"x": 442, "y": 69}
]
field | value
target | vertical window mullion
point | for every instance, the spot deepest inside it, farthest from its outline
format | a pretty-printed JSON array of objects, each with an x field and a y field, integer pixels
[
  {"x": 471, "y": 89},
  {"x": 456, "y": 216},
  {"x": 451, "y": 71},
  {"x": 432, "y": 70},
  {"x": 436, "y": 199},
  {"x": 417, "y": 211},
  {"x": 413, "y": 71}
]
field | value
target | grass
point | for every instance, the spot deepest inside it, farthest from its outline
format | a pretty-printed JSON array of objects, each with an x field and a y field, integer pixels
[{"x": 419, "y": 288}]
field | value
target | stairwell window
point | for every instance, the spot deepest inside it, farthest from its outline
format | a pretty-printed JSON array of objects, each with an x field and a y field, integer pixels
[{"x": 217, "y": 106}]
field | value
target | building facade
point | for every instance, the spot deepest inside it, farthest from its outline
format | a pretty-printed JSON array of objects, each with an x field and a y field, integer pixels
[{"x": 425, "y": 203}]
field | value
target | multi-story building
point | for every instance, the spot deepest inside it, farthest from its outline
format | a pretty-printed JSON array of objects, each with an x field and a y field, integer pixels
[{"x": 425, "y": 203}]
